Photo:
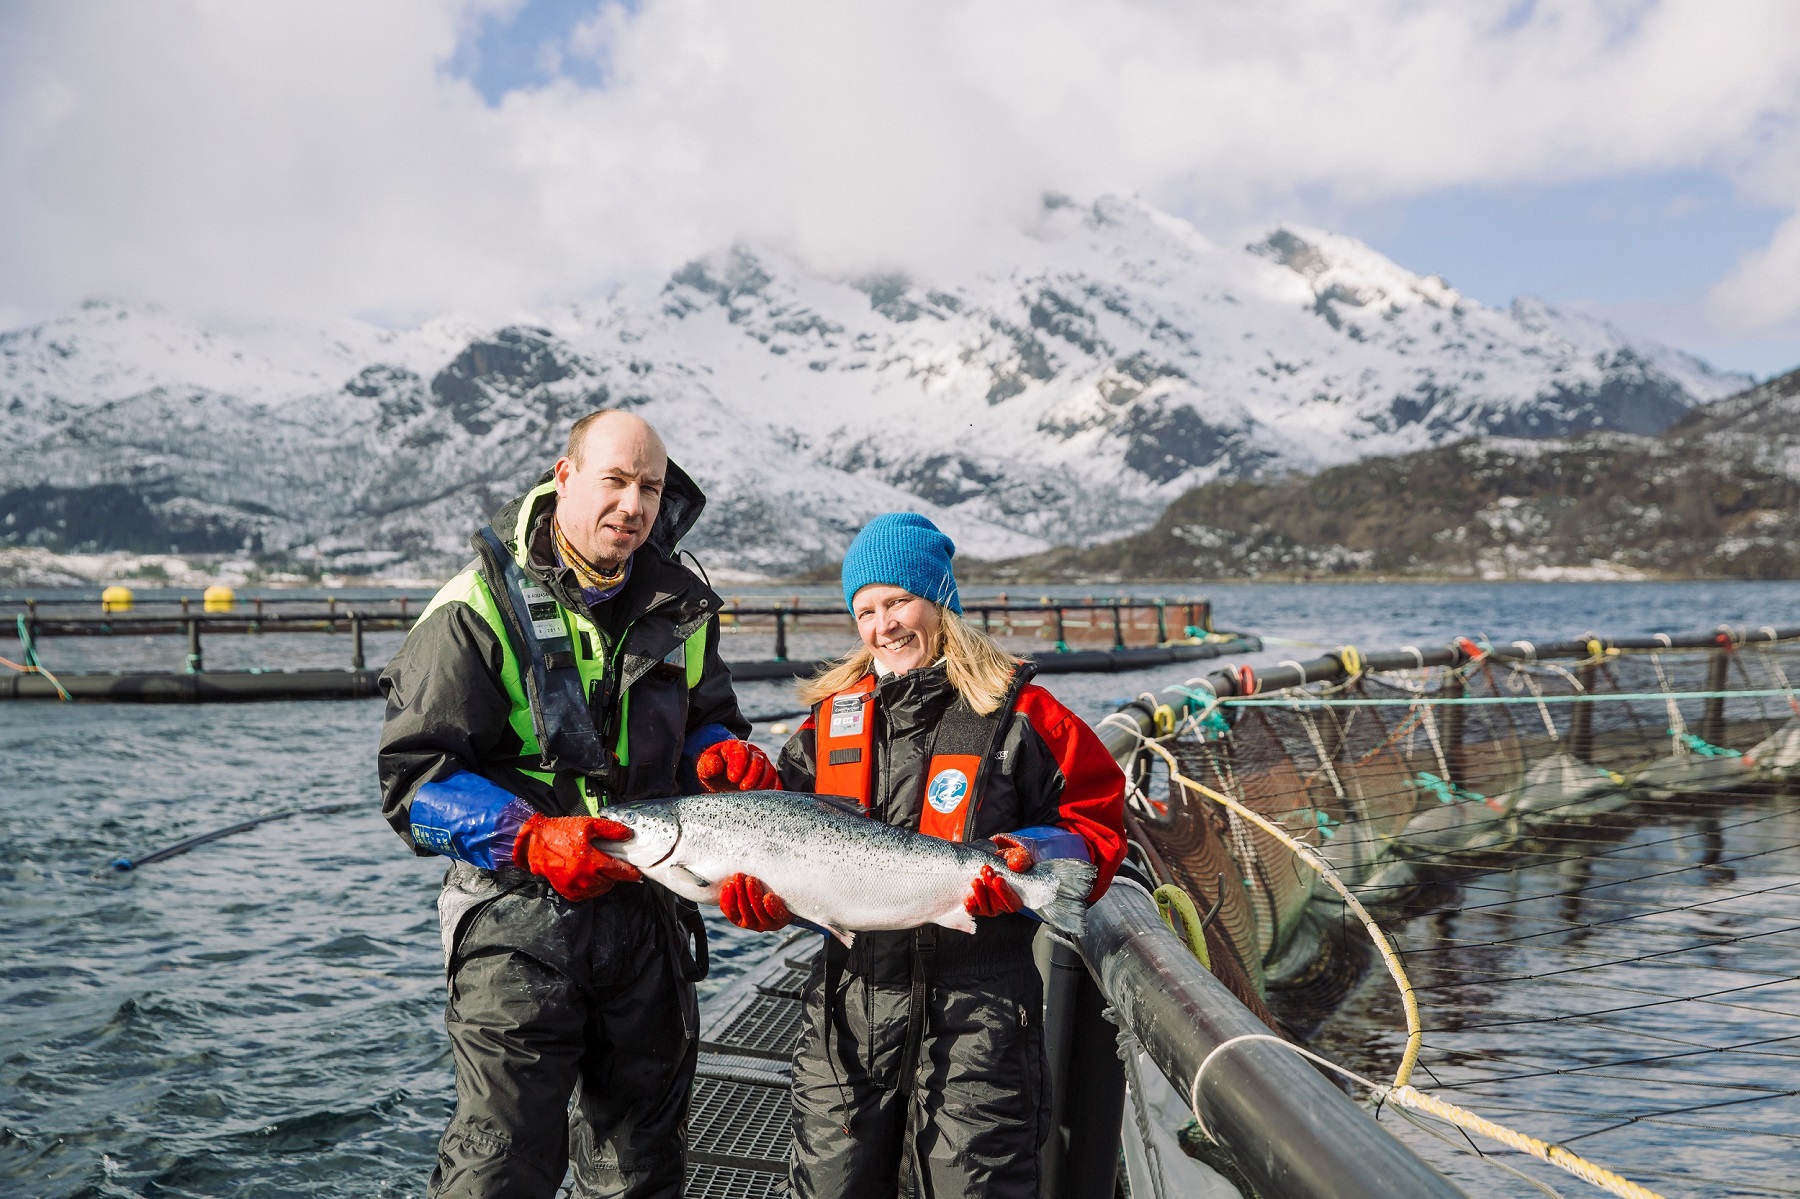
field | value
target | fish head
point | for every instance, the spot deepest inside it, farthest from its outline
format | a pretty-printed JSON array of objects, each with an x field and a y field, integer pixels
[{"x": 655, "y": 828}]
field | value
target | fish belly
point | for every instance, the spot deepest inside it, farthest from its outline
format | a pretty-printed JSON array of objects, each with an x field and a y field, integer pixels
[{"x": 859, "y": 892}]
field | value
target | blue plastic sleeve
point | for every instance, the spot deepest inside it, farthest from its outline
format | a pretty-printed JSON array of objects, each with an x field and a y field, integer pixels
[
  {"x": 707, "y": 734},
  {"x": 695, "y": 745},
  {"x": 1050, "y": 841},
  {"x": 470, "y": 819}
]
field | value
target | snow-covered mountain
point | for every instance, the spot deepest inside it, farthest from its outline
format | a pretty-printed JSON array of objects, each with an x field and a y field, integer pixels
[{"x": 1112, "y": 359}]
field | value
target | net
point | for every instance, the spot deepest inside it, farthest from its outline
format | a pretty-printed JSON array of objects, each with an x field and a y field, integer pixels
[{"x": 1587, "y": 858}]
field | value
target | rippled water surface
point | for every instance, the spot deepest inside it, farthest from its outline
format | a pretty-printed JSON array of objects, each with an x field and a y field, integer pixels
[{"x": 262, "y": 1016}]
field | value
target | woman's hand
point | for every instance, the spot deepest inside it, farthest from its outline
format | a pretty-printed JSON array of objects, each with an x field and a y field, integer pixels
[
  {"x": 991, "y": 895},
  {"x": 749, "y": 904}
]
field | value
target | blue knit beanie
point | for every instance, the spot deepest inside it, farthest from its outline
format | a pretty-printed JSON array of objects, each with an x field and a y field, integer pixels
[{"x": 902, "y": 549}]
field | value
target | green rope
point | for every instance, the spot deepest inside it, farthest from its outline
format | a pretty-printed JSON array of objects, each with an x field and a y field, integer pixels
[
  {"x": 33, "y": 663},
  {"x": 26, "y": 643}
]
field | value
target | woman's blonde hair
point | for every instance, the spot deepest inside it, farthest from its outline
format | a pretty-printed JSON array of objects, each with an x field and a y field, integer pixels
[{"x": 979, "y": 669}]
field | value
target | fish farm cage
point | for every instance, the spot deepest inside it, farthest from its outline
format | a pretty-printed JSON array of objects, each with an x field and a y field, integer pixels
[
  {"x": 1561, "y": 883},
  {"x": 771, "y": 640}
]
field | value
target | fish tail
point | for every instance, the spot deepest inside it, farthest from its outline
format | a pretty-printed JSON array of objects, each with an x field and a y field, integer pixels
[{"x": 1067, "y": 910}]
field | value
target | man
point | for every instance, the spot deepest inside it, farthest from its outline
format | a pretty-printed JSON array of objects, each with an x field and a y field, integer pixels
[{"x": 574, "y": 665}]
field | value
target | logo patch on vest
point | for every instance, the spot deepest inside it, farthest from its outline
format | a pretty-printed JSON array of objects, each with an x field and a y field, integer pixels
[
  {"x": 847, "y": 716},
  {"x": 946, "y": 790}
]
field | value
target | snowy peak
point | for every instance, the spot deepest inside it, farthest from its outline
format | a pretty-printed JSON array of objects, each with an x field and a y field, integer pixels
[
  {"x": 1091, "y": 367},
  {"x": 1341, "y": 271}
]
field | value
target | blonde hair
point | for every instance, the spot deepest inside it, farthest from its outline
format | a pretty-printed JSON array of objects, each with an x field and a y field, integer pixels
[{"x": 979, "y": 669}]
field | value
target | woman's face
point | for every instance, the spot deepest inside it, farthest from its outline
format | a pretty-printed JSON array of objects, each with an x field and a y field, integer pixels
[{"x": 899, "y": 627}]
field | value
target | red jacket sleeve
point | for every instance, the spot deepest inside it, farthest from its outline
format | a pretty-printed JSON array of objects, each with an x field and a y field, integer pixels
[{"x": 1093, "y": 795}]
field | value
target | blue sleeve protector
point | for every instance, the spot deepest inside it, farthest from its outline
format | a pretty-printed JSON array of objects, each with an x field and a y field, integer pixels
[
  {"x": 470, "y": 819},
  {"x": 1051, "y": 841},
  {"x": 695, "y": 745}
]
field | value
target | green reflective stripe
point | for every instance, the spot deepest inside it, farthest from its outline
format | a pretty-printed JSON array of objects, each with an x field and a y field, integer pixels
[
  {"x": 695, "y": 650},
  {"x": 526, "y": 508},
  {"x": 471, "y": 589},
  {"x": 623, "y": 749}
]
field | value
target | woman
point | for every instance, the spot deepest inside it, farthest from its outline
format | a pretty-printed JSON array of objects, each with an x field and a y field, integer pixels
[{"x": 922, "y": 1055}]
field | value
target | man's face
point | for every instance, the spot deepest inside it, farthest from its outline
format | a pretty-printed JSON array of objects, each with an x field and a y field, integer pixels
[{"x": 607, "y": 505}]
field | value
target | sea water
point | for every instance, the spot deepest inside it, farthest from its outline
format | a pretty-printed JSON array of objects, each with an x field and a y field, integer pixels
[{"x": 263, "y": 1015}]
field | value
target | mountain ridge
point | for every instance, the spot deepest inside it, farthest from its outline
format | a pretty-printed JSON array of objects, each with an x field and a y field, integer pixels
[
  {"x": 1097, "y": 366},
  {"x": 1716, "y": 495}
]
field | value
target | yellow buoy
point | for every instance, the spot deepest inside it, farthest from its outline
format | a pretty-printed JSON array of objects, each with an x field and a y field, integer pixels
[
  {"x": 780, "y": 730},
  {"x": 218, "y": 598},
  {"x": 115, "y": 599}
]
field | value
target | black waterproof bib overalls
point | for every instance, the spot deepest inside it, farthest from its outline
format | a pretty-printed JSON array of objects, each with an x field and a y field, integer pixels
[{"x": 920, "y": 1066}]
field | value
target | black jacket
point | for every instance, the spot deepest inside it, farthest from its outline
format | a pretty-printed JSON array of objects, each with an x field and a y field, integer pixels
[
  {"x": 448, "y": 709},
  {"x": 1049, "y": 769}
]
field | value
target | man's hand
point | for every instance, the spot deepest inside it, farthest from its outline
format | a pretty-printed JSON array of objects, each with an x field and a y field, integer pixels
[
  {"x": 992, "y": 895},
  {"x": 749, "y": 904},
  {"x": 561, "y": 849},
  {"x": 736, "y": 766}
]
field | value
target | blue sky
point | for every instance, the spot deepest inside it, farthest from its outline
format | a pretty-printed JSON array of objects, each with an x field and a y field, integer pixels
[{"x": 1641, "y": 249}]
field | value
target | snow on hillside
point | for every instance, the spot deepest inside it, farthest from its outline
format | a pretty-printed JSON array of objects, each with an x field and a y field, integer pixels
[{"x": 1114, "y": 360}]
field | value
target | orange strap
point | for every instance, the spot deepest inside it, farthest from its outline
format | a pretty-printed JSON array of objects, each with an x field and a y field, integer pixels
[{"x": 844, "y": 744}]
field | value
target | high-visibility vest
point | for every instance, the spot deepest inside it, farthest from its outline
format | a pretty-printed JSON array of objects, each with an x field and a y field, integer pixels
[
  {"x": 553, "y": 658},
  {"x": 962, "y": 750}
]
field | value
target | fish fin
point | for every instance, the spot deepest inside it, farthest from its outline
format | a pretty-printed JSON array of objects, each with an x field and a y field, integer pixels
[
  {"x": 842, "y": 934},
  {"x": 957, "y": 918},
  {"x": 693, "y": 878},
  {"x": 1067, "y": 912}
]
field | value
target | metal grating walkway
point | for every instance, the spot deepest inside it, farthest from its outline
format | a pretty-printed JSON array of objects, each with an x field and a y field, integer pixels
[
  {"x": 706, "y": 1181},
  {"x": 740, "y": 1120},
  {"x": 768, "y": 1026}
]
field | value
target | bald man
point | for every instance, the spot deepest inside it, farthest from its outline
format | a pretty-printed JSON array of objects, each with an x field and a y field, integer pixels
[{"x": 572, "y": 667}]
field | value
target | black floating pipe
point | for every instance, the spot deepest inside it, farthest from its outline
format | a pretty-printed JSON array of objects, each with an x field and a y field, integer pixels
[
  {"x": 1294, "y": 1134},
  {"x": 123, "y": 865}
]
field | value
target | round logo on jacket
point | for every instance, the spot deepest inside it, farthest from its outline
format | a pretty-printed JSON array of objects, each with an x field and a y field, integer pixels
[{"x": 946, "y": 790}]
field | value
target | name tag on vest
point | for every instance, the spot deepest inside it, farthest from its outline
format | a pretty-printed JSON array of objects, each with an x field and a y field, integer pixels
[
  {"x": 847, "y": 715},
  {"x": 546, "y": 619}
]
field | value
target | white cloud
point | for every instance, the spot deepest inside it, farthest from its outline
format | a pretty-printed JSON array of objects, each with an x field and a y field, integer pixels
[
  {"x": 1763, "y": 292},
  {"x": 319, "y": 157}
]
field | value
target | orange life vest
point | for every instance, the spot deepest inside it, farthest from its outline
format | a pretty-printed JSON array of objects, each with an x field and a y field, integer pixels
[{"x": 844, "y": 755}]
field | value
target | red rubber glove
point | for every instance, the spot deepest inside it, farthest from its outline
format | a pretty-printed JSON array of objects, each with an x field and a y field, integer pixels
[
  {"x": 991, "y": 895},
  {"x": 1018, "y": 855},
  {"x": 736, "y": 766},
  {"x": 749, "y": 904},
  {"x": 561, "y": 849}
]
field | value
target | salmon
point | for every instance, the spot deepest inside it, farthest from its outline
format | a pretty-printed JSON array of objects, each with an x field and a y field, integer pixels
[{"x": 832, "y": 865}]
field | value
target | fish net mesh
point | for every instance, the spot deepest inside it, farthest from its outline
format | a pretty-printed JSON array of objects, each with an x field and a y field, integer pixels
[{"x": 1591, "y": 871}]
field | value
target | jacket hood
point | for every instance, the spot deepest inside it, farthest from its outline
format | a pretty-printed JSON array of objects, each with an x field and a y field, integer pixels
[{"x": 682, "y": 503}]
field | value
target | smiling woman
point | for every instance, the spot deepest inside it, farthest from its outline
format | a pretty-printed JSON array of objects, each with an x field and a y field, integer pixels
[{"x": 930, "y": 726}]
